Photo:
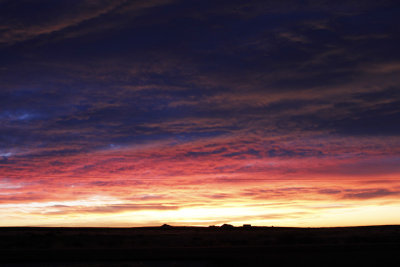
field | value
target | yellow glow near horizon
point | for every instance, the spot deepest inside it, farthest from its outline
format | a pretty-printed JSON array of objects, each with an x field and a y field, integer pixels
[{"x": 293, "y": 216}]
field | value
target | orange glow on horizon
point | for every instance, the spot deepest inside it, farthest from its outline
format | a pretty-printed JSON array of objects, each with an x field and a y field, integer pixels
[{"x": 152, "y": 185}]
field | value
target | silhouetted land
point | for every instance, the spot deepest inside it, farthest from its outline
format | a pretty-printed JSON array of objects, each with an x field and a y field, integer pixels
[{"x": 200, "y": 246}]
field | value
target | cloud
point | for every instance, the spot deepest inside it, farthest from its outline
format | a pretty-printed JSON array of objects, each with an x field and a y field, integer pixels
[
  {"x": 56, "y": 210},
  {"x": 64, "y": 20},
  {"x": 55, "y": 17},
  {"x": 369, "y": 193},
  {"x": 250, "y": 151},
  {"x": 293, "y": 37},
  {"x": 205, "y": 153},
  {"x": 329, "y": 191},
  {"x": 126, "y": 207}
]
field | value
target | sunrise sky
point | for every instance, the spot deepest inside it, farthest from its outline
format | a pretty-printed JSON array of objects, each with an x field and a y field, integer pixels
[{"x": 139, "y": 113}]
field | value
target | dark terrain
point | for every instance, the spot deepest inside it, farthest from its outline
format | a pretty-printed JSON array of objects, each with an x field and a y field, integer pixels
[{"x": 200, "y": 246}]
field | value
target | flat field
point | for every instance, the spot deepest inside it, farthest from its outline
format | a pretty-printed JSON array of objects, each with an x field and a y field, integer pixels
[{"x": 200, "y": 246}]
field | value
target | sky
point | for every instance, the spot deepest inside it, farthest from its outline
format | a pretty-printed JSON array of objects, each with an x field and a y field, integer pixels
[{"x": 187, "y": 112}]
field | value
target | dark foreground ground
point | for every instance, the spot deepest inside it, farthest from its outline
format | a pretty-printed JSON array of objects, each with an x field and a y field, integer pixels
[{"x": 198, "y": 246}]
